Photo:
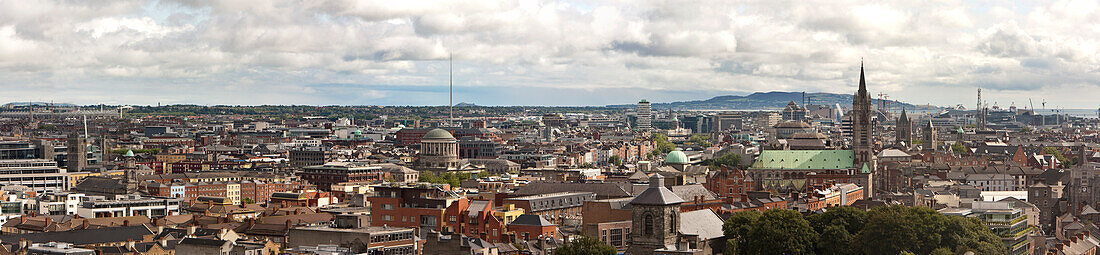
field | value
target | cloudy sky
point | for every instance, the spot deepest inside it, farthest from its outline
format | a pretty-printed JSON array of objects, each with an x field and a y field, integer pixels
[{"x": 509, "y": 52}]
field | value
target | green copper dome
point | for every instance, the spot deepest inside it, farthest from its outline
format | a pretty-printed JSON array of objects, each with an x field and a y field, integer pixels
[
  {"x": 676, "y": 157},
  {"x": 129, "y": 153},
  {"x": 438, "y": 134}
]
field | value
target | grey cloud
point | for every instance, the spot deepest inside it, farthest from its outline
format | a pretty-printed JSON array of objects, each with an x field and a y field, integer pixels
[{"x": 697, "y": 47}]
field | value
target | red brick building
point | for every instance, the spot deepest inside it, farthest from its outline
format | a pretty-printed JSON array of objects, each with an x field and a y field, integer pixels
[
  {"x": 730, "y": 183},
  {"x": 411, "y": 206},
  {"x": 475, "y": 218},
  {"x": 532, "y": 227}
]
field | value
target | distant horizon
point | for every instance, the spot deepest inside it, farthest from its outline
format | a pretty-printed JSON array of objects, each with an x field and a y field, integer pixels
[{"x": 558, "y": 52}]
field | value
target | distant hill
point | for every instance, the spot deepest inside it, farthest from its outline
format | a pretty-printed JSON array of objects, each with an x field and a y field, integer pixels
[
  {"x": 769, "y": 101},
  {"x": 22, "y": 104}
]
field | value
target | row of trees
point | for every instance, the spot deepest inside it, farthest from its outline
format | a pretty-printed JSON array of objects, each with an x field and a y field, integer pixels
[
  {"x": 728, "y": 160},
  {"x": 846, "y": 230},
  {"x": 454, "y": 179}
]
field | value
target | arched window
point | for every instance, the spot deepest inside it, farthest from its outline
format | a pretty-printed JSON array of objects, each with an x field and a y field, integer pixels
[
  {"x": 648, "y": 224},
  {"x": 672, "y": 224}
]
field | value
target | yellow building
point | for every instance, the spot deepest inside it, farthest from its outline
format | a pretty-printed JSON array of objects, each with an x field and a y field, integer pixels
[
  {"x": 171, "y": 158},
  {"x": 507, "y": 213},
  {"x": 77, "y": 177},
  {"x": 233, "y": 192}
]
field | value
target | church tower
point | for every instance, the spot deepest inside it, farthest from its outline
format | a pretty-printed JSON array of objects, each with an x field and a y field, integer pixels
[
  {"x": 903, "y": 133},
  {"x": 656, "y": 218},
  {"x": 862, "y": 127},
  {"x": 929, "y": 137}
]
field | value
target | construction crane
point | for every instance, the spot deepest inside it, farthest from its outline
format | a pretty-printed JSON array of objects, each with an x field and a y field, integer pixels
[{"x": 883, "y": 97}]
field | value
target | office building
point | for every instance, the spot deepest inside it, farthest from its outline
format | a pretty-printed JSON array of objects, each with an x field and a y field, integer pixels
[
  {"x": 644, "y": 115},
  {"x": 324, "y": 176},
  {"x": 125, "y": 206},
  {"x": 37, "y": 174}
]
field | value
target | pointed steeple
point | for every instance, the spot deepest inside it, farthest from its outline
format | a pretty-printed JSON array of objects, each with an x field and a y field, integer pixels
[
  {"x": 903, "y": 114},
  {"x": 862, "y": 81}
]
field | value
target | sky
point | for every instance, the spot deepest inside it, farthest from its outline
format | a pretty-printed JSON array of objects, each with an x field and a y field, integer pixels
[{"x": 508, "y": 52}]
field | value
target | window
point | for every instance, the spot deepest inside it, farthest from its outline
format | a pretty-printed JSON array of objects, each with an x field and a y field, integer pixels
[
  {"x": 387, "y": 217},
  {"x": 648, "y": 225},
  {"x": 387, "y": 207},
  {"x": 672, "y": 223}
]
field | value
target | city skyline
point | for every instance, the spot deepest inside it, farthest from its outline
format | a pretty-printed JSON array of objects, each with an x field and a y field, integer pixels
[{"x": 545, "y": 53}]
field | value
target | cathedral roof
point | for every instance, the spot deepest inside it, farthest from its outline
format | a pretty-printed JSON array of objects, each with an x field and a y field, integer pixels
[{"x": 805, "y": 159}]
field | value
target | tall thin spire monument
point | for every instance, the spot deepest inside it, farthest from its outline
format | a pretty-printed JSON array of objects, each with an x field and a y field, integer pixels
[{"x": 451, "y": 89}]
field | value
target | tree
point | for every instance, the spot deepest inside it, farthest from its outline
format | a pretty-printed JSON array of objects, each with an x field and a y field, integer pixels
[
  {"x": 959, "y": 148},
  {"x": 737, "y": 229},
  {"x": 585, "y": 245},
  {"x": 663, "y": 145},
  {"x": 850, "y": 219},
  {"x": 703, "y": 140},
  {"x": 1058, "y": 155},
  {"x": 248, "y": 201},
  {"x": 781, "y": 231},
  {"x": 895, "y": 229},
  {"x": 615, "y": 160},
  {"x": 845, "y": 230},
  {"x": 835, "y": 240},
  {"x": 728, "y": 160}
]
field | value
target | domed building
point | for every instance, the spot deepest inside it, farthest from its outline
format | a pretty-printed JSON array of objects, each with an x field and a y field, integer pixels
[
  {"x": 438, "y": 150},
  {"x": 677, "y": 159},
  {"x": 680, "y": 171}
]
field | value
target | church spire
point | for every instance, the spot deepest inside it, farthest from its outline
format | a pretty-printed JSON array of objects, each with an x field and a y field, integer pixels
[{"x": 862, "y": 81}]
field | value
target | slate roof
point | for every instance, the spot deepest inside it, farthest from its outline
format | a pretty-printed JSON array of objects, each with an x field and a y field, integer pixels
[
  {"x": 657, "y": 196},
  {"x": 693, "y": 191},
  {"x": 84, "y": 236},
  {"x": 202, "y": 242},
  {"x": 477, "y": 206},
  {"x": 602, "y": 190},
  {"x": 531, "y": 220},
  {"x": 703, "y": 223}
]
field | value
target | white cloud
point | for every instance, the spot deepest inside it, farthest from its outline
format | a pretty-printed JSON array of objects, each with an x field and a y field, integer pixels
[{"x": 221, "y": 50}]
